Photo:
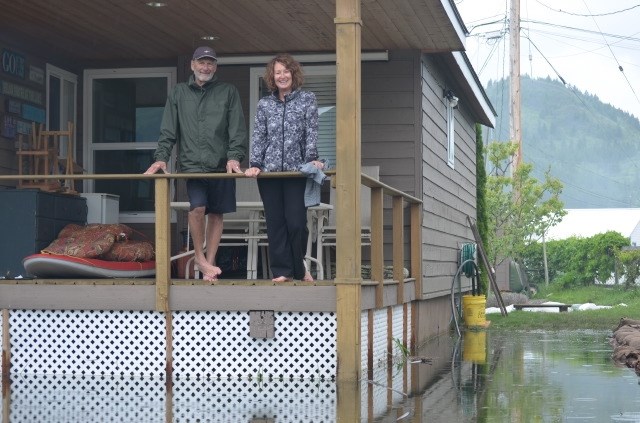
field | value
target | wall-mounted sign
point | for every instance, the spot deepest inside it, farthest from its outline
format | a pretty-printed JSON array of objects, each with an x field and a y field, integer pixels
[
  {"x": 34, "y": 113},
  {"x": 9, "y": 127},
  {"x": 12, "y": 63},
  {"x": 36, "y": 75},
  {"x": 23, "y": 127},
  {"x": 14, "y": 106},
  {"x": 23, "y": 93}
]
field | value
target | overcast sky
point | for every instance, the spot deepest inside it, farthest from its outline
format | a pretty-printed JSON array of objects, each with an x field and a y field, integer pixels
[{"x": 583, "y": 41}]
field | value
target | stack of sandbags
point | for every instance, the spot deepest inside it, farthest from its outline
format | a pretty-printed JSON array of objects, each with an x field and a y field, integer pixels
[
  {"x": 102, "y": 241},
  {"x": 626, "y": 344}
]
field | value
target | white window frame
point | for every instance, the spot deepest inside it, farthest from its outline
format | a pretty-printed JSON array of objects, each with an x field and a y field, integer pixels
[
  {"x": 90, "y": 147},
  {"x": 451, "y": 132},
  {"x": 63, "y": 76}
]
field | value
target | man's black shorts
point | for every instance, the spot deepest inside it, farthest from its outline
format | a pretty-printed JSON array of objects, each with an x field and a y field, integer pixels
[{"x": 217, "y": 195}]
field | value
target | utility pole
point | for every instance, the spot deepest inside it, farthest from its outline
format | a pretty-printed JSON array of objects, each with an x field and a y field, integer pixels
[{"x": 515, "y": 132}]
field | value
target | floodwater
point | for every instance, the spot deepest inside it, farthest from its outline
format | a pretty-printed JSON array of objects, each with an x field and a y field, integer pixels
[{"x": 483, "y": 377}]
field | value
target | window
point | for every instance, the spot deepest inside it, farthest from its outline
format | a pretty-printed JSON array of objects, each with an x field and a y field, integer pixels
[
  {"x": 451, "y": 145},
  {"x": 321, "y": 80},
  {"x": 122, "y": 124}
]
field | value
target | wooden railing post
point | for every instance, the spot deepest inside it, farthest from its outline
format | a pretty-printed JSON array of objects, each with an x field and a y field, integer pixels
[
  {"x": 377, "y": 242},
  {"x": 163, "y": 244},
  {"x": 398, "y": 245},
  {"x": 416, "y": 247}
]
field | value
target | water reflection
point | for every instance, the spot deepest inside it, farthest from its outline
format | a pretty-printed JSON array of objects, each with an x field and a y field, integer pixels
[
  {"x": 483, "y": 377},
  {"x": 534, "y": 377}
]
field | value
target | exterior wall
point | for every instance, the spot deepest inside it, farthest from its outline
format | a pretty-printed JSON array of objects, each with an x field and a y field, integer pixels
[
  {"x": 15, "y": 68},
  {"x": 391, "y": 128},
  {"x": 391, "y": 119},
  {"x": 432, "y": 318},
  {"x": 449, "y": 194}
]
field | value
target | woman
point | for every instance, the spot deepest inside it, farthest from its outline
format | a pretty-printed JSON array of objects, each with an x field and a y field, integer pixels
[{"x": 284, "y": 139}]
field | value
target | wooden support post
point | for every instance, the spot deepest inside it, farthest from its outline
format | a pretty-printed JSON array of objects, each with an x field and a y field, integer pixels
[
  {"x": 398, "y": 245},
  {"x": 169, "y": 367},
  {"x": 416, "y": 247},
  {"x": 348, "y": 232},
  {"x": 163, "y": 244},
  {"x": 377, "y": 240},
  {"x": 6, "y": 346}
]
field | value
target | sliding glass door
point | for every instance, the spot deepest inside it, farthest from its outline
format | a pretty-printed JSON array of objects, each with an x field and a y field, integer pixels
[{"x": 122, "y": 124}]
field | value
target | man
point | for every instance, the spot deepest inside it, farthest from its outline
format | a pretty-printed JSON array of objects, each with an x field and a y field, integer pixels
[{"x": 204, "y": 118}]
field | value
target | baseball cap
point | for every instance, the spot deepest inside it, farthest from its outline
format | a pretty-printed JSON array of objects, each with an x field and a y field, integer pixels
[{"x": 204, "y": 52}]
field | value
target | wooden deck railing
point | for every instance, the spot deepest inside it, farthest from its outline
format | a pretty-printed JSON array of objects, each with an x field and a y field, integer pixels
[{"x": 378, "y": 192}]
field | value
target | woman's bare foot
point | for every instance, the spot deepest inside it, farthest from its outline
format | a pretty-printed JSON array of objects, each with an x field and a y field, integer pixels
[
  {"x": 307, "y": 277},
  {"x": 281, "y": 279}
]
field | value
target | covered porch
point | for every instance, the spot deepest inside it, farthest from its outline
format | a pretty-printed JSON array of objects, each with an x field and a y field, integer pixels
[{"x": 339, "y": 329}]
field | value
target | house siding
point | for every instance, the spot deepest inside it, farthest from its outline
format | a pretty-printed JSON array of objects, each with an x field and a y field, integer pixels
[
  {"x": 404, "y": 132},
  {"x": 449, "y": 195},
  {"x": 391, "y": 129}
]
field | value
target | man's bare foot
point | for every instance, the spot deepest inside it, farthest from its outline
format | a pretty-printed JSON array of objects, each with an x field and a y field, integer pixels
[
  {"x": 210, "y": 277},
  {"x": 281, "y": 279},
  {"x": 209, "y": 271},
  {"x": 307, "y": 277}
]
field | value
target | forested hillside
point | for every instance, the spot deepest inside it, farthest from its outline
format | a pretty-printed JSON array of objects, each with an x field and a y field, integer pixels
[{"x": 592, "y": 147}]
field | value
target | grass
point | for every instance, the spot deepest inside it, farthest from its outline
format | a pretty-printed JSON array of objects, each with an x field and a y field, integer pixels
[{"x": 574, "y": 320}]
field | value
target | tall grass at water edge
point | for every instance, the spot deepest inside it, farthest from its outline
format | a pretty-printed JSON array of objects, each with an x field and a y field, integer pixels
[{"x": 624, "y": 303}]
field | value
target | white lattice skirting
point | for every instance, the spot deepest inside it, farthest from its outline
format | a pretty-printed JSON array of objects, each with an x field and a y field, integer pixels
[{"x": 205, "y": 344}]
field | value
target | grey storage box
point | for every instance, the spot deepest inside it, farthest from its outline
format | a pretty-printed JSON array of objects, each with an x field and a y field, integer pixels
[{"x": 30, "y": 220}]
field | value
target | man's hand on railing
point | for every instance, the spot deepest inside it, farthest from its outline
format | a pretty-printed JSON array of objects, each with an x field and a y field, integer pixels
[
  {"x": 233, "y": 166},
  {"x": 155, "y": 167}
]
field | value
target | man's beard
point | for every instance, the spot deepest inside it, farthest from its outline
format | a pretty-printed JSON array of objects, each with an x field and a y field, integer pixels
[{"x": 203, "y": 77}]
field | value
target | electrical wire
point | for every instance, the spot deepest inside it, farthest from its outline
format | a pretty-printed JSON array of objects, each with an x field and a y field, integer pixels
[
  {"x": 591, "y": 14},
  {"x": 613, "y": 54},
  {"x": 588, "y": 31}
]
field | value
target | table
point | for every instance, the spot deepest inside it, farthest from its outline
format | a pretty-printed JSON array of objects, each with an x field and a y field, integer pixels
[{"x": 247, "y": 226}]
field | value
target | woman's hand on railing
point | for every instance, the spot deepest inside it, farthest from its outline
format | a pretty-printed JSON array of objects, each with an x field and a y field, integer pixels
[
  {"x": 155, "y": 167},
  {"x": 252, "y": 172}
]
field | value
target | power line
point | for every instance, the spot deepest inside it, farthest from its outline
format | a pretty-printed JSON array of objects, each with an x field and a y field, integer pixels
[
  {"x": 589, "y": 15},
  {"x": 589, "y": 31},
  {"x": 613, "y": 54}
]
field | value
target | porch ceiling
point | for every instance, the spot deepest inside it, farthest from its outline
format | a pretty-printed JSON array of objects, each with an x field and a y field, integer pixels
[{"x": 84, "y": 30}]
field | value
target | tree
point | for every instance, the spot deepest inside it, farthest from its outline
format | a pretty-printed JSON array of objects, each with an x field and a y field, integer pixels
[
  {"x": 481, "y": 213},
  {"x": 519, "y": 208}
]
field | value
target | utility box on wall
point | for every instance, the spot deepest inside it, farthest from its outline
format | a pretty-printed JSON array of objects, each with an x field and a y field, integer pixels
[{"x": 102, "y": 208}]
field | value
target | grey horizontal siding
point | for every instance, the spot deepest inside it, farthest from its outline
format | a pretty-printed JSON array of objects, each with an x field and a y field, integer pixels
[{"x": 449, "y": 195}]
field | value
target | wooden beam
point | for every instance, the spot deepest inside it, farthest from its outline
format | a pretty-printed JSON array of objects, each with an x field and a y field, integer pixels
[
  {"x": 163, "y": 244},
  {"x": 348, "y": 231},
  {"x": 398, "y": 246},
  {"x": 6, "y": 346},
  {"x": 416, "y": 247},
  {"x": 377, "y": 242}
]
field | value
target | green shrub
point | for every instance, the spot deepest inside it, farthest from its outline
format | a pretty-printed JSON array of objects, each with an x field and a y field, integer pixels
[{"x": 576, "y": 261}]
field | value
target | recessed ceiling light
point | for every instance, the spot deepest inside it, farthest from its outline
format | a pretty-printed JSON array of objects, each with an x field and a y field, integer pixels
[
  {"x": 156, "y": 4},
  {"x": 209, "y": 38}
]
